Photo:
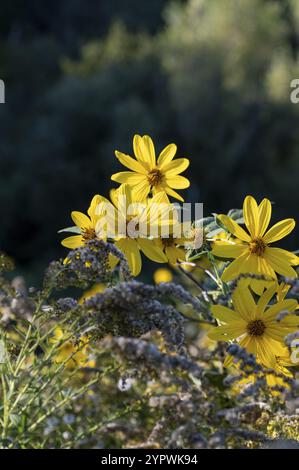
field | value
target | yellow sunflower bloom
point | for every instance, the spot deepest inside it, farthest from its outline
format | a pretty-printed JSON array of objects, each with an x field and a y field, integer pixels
[
  {"x": 86, "y": 225},
  {"x": 272, "y": 381},
  {"x": 74, "y": 355},
  {"x": 149, "y": 175},
  {"x": 254, "y": 325},
  {"x": 176, "y": 242},
  {"x": 254, "y": 254},
  {"x": 173, "y": 248},
  {"x": 118, "y": 217}
]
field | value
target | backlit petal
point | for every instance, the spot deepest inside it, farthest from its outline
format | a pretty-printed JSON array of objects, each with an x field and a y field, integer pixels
[
  {"x": 130, "y": 163},
  {"x": 131, "y": 251},
  {"x": 272, "y": 312},
  {"x": 250, "y": 212},
  {"x": 235, "y": 268},
  {"x": 152, "y": 250},
  {"x": 177, "y": 182},
  {"x": 265, "y": 211},
  {"x": 128, "y": 177},
  {"x": 166, "y": 155},
  {"x": 176, "y": 166},
  {"x": 234, "y": 228},
  {"x": 141, "y": 152},
  {"x": 265, "y": 299},
  {"x": 228, "y": 250},
  {"x": 227, "y": 315},
  {"x": 173, "y": 193},
  {"x": 149, "y": 150},
  {"x": 81, "y": 220},
  {"x": 279, "y": 262},
  {"x": 244, "y": 303},
  {"x": 73, "y": 242},
  {"x": 226, "y": 333},
  {"x": 279, "y": 230}
]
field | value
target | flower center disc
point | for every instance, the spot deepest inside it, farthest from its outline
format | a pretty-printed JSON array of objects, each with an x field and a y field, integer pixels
[
  {"x": 258, "y": 246},
  {"x": 88, "y": 234},
  {"x": 256, "y": 328},
  {"x": 155, "y": 177}
]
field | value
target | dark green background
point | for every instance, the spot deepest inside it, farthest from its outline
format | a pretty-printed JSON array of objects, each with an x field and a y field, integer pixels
[{"x": 82, "y": 76}]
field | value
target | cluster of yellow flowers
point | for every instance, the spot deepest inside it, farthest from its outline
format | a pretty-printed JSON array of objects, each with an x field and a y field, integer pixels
[
  {"x": 252, "y": 321},
  {"x": 256, "y": 325},
  {"x": 148, "y": 184}
]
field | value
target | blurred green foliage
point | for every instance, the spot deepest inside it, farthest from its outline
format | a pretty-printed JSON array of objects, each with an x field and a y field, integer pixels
[{"x": 82, "y": 77}]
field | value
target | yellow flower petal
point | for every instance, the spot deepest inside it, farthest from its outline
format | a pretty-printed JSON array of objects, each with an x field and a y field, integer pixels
[
  {"x": 286, "y": 256},
  {"x": 279, "y": 262},
  {"x": 272, "y": 312},
  {"x": 235, "y": 268},
  {"x": 176, "y": 166},
  {"x": 112, "y": 261},
  {"x": 279, "y": 230},
  {"x": 230, "y": 359},
  {"x": 92, "y": 211},
  {"x": 251, "y": 346},
  {"x": 150, "y": 154},
  {"x": 173, "y": 254},
  {"x": 81, "y": 220},
  {"x": 177, "y": 182},
  {"x": 264, "y": 354},
  {"x": 265, "y": 299},
  {"x": 166, "y": 155},
  {"x": 264, "y": 212},
  {"x": 151, "y": 250},
  {"x": 250, "y": 212},
  {"x": 265, "y": 269},
  {"x": 128, "y": 177},
  {"x": 130, "y": 163},
  {"x": 125, "y": 198},
  {"x": 234, "y": 228},
  {"x": 173, "y": 193},
  {"x": 73, "y": 242},
  {"x": 141, "y": 191},
  {"x": 226, "y": 333},
  {"x": 142, "y": 152},
  {"x": 227, "y": 315},
  {"x": 227, "y": 250},
  {"x": 244, "y": 303},
  {"x": 131, "y": 251}
]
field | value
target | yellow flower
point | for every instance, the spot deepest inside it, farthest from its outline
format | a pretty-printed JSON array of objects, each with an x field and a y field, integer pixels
[
  {"x": 96, "y": 289},
  {"x": 148, "y": 175},
  {"x": 255, "y": 326},
  {"x": 75, "y": 355},
  {"x": 173, "y": 248},
  {"x": 162, "y": 275},
  {"x": 118, "y": 216},
  {"x": 86, "y": 225},
  {"x": 176, "y": 242},
  {"x": 272, "y": 381},
  {"x": 254, "y": 255}
]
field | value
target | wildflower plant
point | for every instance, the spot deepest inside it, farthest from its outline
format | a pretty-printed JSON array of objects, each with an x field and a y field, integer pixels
[{"x": 199, "y": 358}]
